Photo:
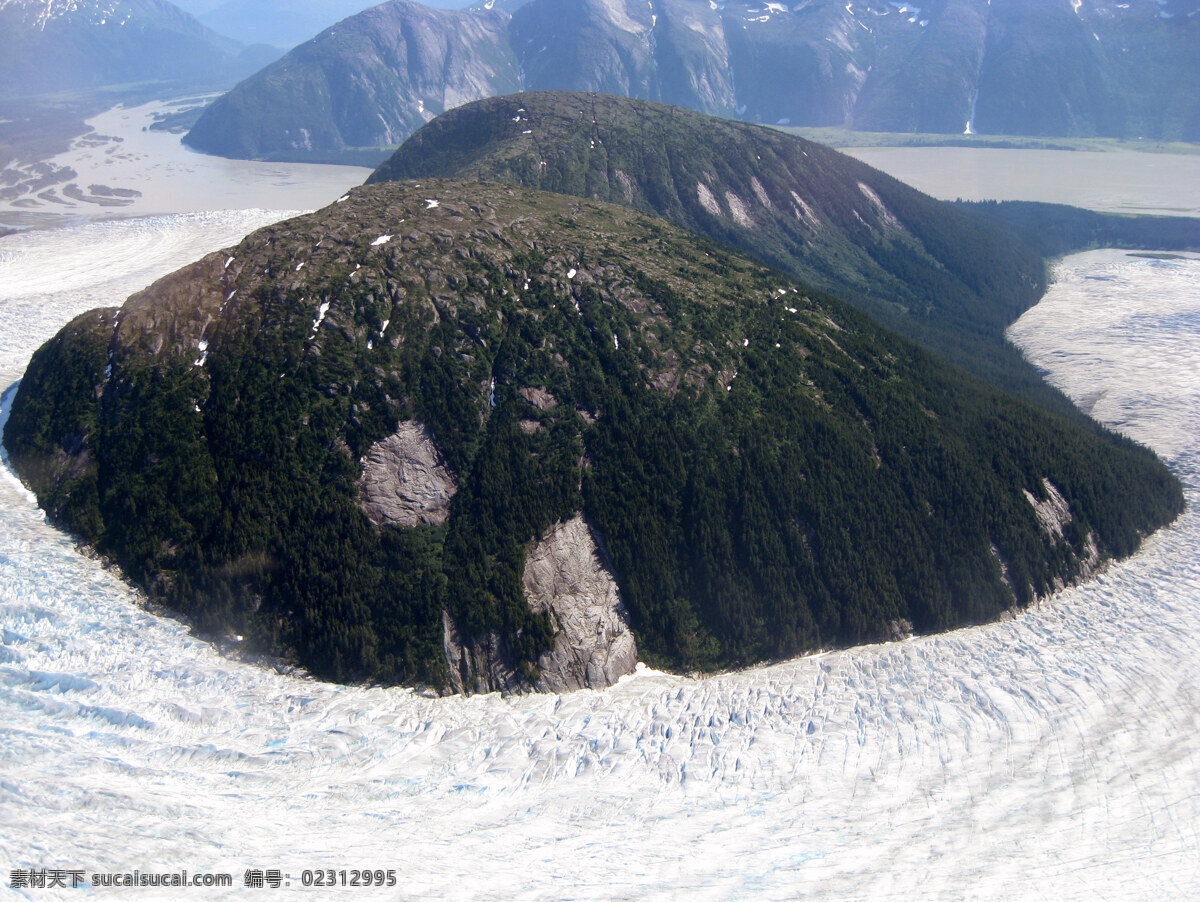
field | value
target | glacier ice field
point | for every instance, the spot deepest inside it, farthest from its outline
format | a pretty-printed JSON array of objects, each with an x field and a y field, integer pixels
[{"x": 1052, "y": 756}]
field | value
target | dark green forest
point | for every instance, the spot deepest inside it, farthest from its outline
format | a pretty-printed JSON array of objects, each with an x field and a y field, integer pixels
[
  {"x": 951, "y": 277},
  {"x": 770, "y": 471}
]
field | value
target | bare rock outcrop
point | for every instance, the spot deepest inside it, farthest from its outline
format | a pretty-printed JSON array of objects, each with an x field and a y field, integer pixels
[
  {"x": 566, "y": 577},
  {"x": 406, "y": 480},
  {"x": 1052, "y": 514},
  {"x": 485, "y": 664}
]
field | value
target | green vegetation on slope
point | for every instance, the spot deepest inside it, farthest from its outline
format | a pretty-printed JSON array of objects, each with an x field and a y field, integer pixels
[
  {"x": 770, "y": 471},
  {"x": 949, "y": 276}
]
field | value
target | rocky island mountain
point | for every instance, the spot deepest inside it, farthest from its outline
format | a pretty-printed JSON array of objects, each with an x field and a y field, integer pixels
[
  {"x": 52, "y": 46},
  {"x": 482, "y": 437},
  {"x": 949, "y": 276},
  {"x": 1020, "y": 67}
]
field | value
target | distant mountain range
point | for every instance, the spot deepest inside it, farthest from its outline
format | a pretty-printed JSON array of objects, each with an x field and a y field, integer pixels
[
  {"x": 1025, "y": 67},
  {"x": 51, "y": 46}
]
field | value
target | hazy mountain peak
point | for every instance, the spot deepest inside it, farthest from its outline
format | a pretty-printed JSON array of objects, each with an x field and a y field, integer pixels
[
  {"x": 73, "y": 45},
  {"x": 1038, "y": 67}
]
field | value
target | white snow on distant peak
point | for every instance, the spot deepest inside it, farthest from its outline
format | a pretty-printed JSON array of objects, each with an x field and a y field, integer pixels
[
  {"x": 430, "y": 203},
  {"x": 227, "y": 262},
  {"x": 571, "y": 273},
  {"x": 342, "y": 198},
  {"x": 300, "y": 266},
  {"x": 382, "y": 239},
  {"x": 203, "y": 348}
]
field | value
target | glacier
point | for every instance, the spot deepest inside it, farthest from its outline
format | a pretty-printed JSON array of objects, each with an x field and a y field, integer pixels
[{"x": 1054, "y": 755}]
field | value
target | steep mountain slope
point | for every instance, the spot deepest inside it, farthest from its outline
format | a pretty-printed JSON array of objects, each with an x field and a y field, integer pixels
[
  {"x": 484, "y": 437},
  {"x": 1036, "y": 67},
  {"x": 366, "y": 82},
  {"x": 945, "y": 276},
  {"x": 48, "y": 46}
]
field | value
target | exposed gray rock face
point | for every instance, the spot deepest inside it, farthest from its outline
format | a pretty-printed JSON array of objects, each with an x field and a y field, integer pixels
[
  {"x": 565, "y": 577},
  {"x": 406, "y": 481},
  {"x": 539, "y": 398},
  {"x": 1052, "y": 514},
  {"x": 483, "y": 665}
]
